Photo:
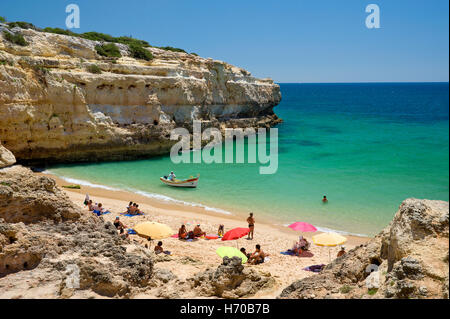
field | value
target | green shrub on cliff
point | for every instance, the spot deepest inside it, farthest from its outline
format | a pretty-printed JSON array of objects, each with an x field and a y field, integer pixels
[
  {"x": 108, "y": 50},
  {"x": 172, "y": 49},
  {"x": 15, "y": 38},
  {"x": 21, "y": 24},
  {"x": 138, "y": 52},
  {"x": 2, "y": 19},
  {"x": 60, "y": 31},
  {"x": 94, "y": 69}
]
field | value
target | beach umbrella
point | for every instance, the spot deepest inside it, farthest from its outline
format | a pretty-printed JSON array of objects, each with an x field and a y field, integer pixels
[
  {"x": 153, "y": 230},
  {"x": 329, "y": 240},
  {"x": 303, "y": 227},
  {"x": 235, "y": 234},
  {"x": 231, "y": 252}
]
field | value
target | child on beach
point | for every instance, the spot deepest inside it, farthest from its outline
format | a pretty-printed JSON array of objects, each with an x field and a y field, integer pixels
[{"x": 221, "y": 230}]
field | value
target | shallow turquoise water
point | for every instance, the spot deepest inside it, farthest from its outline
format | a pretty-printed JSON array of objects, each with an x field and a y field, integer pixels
[{"x": 366, "y": 146}]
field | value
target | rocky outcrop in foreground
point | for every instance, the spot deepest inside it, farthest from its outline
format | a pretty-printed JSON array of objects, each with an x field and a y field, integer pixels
[
  {"x": 6, "y": 157},
  {"x": 231, "y": 280},
  {"x": 60, "y": 101},
  {"x": 408, "y": 259},
  {"x": 51, "y": 242}
]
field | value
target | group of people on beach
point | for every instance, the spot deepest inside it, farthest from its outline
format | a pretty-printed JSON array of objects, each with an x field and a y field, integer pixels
[
  {"x": 197, "y": 232},
  {"x": 133, "y": 209},
  {"x": 257, "y": 257}
]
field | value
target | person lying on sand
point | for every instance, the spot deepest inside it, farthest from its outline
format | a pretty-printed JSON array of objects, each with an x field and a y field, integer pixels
[
  {"x": 159, "y": 249},
  {"x": 198, "y": 231},
  {"x": 99, "y": 210},
  {"x": 258, "y": 256}
]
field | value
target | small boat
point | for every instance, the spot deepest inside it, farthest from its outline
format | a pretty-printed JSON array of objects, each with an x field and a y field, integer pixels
[{"x": 191, "y": 182}]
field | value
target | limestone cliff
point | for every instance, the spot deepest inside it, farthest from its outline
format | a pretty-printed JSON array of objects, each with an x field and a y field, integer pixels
[
  {"x": 408, "y": 259},
  {"x": 52, "y": 108}
]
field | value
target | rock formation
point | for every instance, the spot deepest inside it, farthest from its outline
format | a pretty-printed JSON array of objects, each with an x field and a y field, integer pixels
[
  {"x": 50, "y": 242},
  {"x": 231, "y": 280},
  {"x": 53, "y": 109},
  {"x": 6, "y": 157},
  {"x": 408, "y": 259}
]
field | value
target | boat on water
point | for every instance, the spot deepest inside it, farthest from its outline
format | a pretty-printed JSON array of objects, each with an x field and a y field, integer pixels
[{"x": 191, "y": 182}]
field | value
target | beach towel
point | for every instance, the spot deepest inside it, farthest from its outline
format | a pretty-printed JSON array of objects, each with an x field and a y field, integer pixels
[
  {"x": 209, "y": 237},
  {"x": 132, "y": 232},
  {"x": 288, "y": 253},
  {"x": 174, "y": 236},
  {"x": 315, "y": 268},
  {"x": 129, "y": 215}
]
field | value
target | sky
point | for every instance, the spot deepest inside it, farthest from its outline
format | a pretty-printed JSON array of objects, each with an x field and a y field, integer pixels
[{"x": 305, "y": 41}]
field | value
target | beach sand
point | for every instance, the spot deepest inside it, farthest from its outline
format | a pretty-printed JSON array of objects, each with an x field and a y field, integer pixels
[{"x": 272, "y": 238}]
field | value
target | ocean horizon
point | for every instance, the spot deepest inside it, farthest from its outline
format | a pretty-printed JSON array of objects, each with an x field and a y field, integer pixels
[{"x": 366, "y": 146}]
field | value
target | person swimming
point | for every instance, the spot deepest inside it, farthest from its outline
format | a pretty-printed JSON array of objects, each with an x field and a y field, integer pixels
[{"x": 324, "y": 199}]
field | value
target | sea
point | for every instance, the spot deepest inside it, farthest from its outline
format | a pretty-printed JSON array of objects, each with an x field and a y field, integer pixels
[{"x": 365, "y": 146}]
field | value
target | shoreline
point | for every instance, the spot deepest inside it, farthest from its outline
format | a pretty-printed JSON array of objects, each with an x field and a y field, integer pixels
[
  {"x": 190, "y": 258},
  {"x": 169, "y": 205}
]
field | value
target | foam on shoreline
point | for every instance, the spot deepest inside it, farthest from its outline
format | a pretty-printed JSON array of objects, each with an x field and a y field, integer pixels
[
  {"x": 142, "y": 193},
  {"x": 180, "y": 202}
]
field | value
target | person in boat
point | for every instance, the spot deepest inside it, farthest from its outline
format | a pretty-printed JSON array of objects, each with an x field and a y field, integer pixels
[
  {"x": 251, "y": 225},
  {"x": 159, "y": 249},
  {"x": 342, "y": 252},
  {"x": 119, "y": 225},
  {"x": 171, "y": 177},
  {"x": 182, "y": 232},
  {"x": 258, "y": 256},
  {"x": 221, "y": 230},
  {"x": 245, "y": 252},
  {"x": 198, "y": 231},
  {"x": 324, "y": 199}
]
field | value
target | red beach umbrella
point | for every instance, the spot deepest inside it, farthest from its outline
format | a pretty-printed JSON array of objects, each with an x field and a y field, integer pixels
[
  {"x": 235, "y": 233},
  {"x": 303, "y": 227}
]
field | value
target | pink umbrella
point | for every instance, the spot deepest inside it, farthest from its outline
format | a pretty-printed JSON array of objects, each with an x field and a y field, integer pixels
[{"x": 303, "y": 227}]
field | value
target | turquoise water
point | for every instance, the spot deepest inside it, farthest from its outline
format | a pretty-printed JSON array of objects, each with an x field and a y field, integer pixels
[{"x": 366, "y": 146}]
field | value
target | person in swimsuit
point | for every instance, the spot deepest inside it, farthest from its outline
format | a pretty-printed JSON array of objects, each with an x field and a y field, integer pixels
[
  {"x": 119, "y": 225},
  {"x": 342, "y": 252},
  {"x": 198, "y": 231},
  {"x": 251, "y": 225},
  {"x": 245, "y": 252},
  {"x": 258, "y": 256},
  {"x": 182, "y": 233},
  {"x": 324, "y": 199},
  {"x": 221, "y": 230}
]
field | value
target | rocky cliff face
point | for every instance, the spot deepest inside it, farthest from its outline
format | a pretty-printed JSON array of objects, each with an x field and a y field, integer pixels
[
  {"x": 408, "y": 259},
  {"x": 51, "y": 241},
  {"x": 53, "y": 109}
]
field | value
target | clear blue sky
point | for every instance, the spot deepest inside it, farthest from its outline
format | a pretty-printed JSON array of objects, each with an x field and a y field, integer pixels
[{"x": 288, "y": 40}]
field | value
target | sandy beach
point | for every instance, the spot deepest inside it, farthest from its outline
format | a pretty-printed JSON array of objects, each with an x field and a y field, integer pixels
[{"x": 273, "y": 239}]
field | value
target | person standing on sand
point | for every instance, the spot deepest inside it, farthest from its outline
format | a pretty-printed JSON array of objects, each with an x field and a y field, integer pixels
[{"x": 251, "y": 225}]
